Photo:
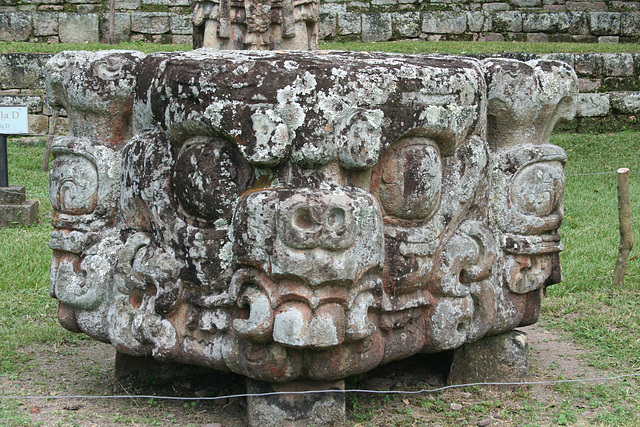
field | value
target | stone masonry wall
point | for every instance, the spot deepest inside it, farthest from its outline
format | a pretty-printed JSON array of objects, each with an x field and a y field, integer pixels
[
  {"x": 609, "y": 98},
  {"x": 169, "y": 21},
  {"x": 79, "y": 21},
  {"x": 506, "y": 20}
]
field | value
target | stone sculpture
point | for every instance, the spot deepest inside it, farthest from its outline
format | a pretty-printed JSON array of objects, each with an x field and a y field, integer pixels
[
  {"x": 256, "y": 24},
  {"x": 301, "y": 217}
]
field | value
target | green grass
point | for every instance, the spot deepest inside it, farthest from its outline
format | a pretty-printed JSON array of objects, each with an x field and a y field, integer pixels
[
  {"x": 27, "y": 313},
  {"x": 403, "y": 46},
  {"x": 20, "y": 47},
  {"x": 459, "y": 48},
  {"x": 605, "y": 319}
]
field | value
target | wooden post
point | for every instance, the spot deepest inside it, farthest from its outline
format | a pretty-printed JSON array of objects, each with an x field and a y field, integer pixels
[{"x": 626, "y": 230}]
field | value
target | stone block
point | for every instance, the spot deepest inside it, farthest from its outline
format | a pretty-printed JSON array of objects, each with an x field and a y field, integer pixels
[
  {"x": 499, "y": 358},
  {"x": 507, "y": 22},
  {"x": 167, "y": 2},
  {"x": 15, "y": 26},
  {"x": 150, "y": 23},
  {"x": 38, "y": 124},
  {"x": 537, "y": 38},
  {"x": 630, "y": 24},
  {"x": 296, "y": 410},
  {"x": 624, "y": 6},
  {"x": 479, "y": 21},
  {"x": 349, "y": 23},
  {"x": 610, "y": 84},
  {"x": 182, "y": 39},
  {"x": 496, "y": 7},
  {"x": 604, "y": 23},
  {"x": 127, "y": 4},
  {"x": 121, "y": 23},
  {"x": 78, "y": 28},
  {"x": 525, "y": 3},
  {"x": 12, "y": 195},
  {"x": 573, "y": 23},
  {"x": 376, "y": 27},
  {"x": 587, "y": 6},
  {"x": 45, "y": 24},
  {"x": 625, "y": 102},
  {"x": 589, "y": 85},
  {"x": 22, "y": 70},
  {"x": 406, "y": 24},
  {"x": 327, "y": 26},
  {"x": 444, "y": 22},
  {"x": 588, "y": 64},
  {"x": 89, "y": 8},
  {"x": 32, "y": 102},
  {"x": 567, "y": 58},
  {"x": 608, "y": 39},
  {"x": 491, "y": 37},
  {"x": 533, "y": 22},
  {"x": 181, "y": 24},
  {"x": 333, "y": 8},
  {"x": 593, "y": 104},
  {"x": 24, "y": 214},
  {"x": 617, "y": 64}
]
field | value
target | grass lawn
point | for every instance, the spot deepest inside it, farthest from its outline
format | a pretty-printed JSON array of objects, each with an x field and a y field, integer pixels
[{"x": 402, "y": 46}]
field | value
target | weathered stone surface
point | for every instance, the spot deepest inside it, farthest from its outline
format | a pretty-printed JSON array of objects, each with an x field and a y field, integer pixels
[
  {"x": 301, "y": 216},
  {"x": 12, "y": 195},
  {"x": 324, "y": 409},
  {"x": 45, "y": 24},
  {"x": 500, "y": 358},
  {"x": 526, "y": 3},
  {"x": 15, "y": 26},
  {"x": 376, "y": 27},
  {"x": 406, "y": 24},
  {"x": 510, "y": 21},
  {"x": 22, "y": 70},
  {"x": 252, "y": 25},
  {"x": 588, "y": 64},
  {"x": 349, "y": 23},
  {"x": 593, "y": 104},
  {"x": 327, "y": 26},
  {"x": 22, "y": 214},
  {"x": 479, "y": 21},
  {"x": 604, "y": 23},
  {"x": 618, "y": 64},
  {"x": 122, "y": 26},
  {"x": 625, "y": 102},
  {"x": 150, "y": 23},
  {"x": 78, "y": 28},
  {"x": 444, "y": 22}
]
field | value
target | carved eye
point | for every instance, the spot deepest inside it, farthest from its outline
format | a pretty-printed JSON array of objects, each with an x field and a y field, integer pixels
[
  {"x": 73, "y": 185},
  {"x": 537, "y": 188},
  {"x": 411, "y": 180},
  {"x": 208, "y": 179}
]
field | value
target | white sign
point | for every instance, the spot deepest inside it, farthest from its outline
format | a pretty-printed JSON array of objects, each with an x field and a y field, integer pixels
[{"x": 14, "y": 121}]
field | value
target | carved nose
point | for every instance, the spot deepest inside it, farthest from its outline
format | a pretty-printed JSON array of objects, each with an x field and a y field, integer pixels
[{"x": 317, "y": 222}]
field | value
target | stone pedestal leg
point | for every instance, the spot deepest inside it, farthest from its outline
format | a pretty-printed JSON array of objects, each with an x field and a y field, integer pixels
[
  {"x": 498, "y": 358},
  {"x": 295, "y": 410},
  {"x": 15, "y": 209}
]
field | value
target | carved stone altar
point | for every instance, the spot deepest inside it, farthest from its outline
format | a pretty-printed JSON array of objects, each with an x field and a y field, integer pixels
[{"x": 301, "y": 217}]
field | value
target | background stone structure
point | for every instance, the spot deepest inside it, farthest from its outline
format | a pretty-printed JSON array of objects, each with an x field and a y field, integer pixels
[
  {"x": 609, "y": 89},
  {"x": 169, "y": 21}
]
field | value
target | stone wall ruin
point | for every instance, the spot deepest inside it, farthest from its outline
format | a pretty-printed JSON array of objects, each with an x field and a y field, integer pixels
[{"x": 303, "y": 216}]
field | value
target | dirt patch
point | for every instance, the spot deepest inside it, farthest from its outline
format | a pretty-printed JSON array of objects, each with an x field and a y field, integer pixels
[{"x": 86, "y": 368}]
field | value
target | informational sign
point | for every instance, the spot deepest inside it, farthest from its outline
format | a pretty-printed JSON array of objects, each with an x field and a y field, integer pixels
[{"x": 13, "y": 120}]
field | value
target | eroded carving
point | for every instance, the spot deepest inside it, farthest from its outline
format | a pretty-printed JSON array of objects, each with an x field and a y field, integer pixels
[{"x": 304, "y": 215}]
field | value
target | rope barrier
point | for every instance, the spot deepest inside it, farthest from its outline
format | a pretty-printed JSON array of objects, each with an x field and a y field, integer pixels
[{"x": 278, "y": 393}]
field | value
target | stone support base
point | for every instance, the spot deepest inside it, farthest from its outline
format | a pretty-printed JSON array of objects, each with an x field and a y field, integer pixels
[
  {"x": 15, "y": 209},
  {"x": 295, "y": 410},
  {"x": 499, "y": 358}
]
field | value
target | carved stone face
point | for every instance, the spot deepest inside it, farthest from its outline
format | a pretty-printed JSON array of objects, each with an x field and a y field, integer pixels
[{"x": 291, "y": 216}]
